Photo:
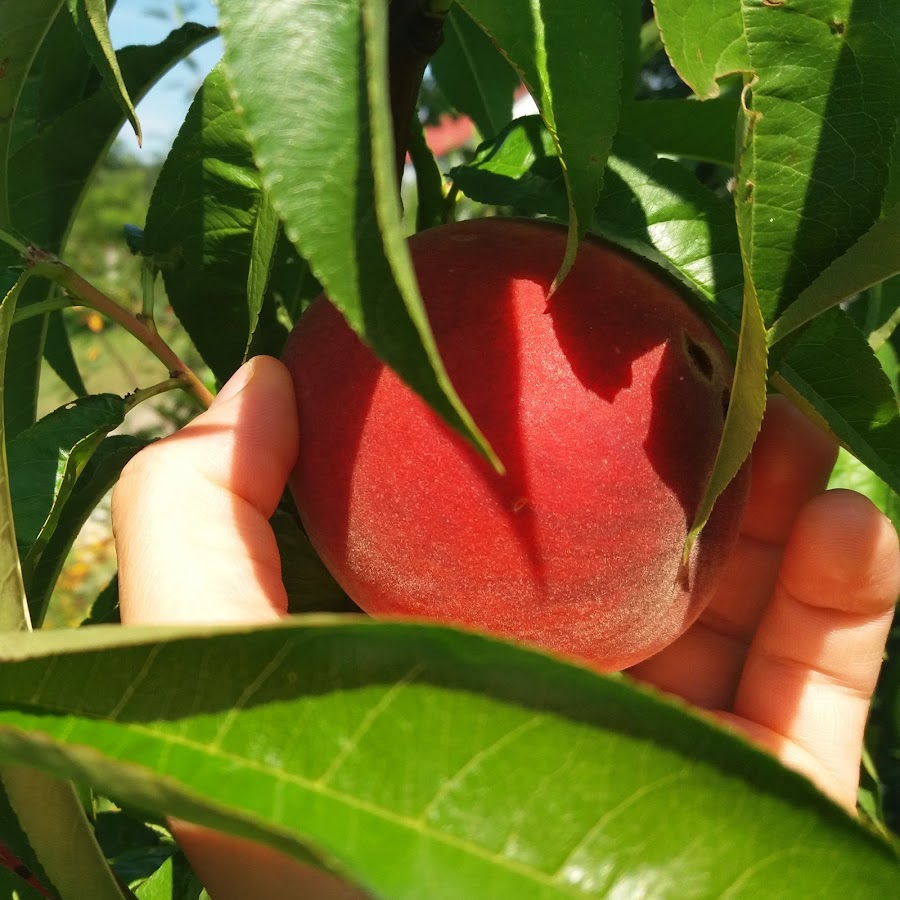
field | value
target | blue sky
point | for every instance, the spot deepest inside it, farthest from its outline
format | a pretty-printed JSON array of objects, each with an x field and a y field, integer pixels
[{"x": 164, "y": 108}]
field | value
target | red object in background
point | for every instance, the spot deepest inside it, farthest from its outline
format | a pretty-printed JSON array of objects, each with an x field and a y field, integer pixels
[
  {"x": 449, "y": 134},
  {"x": 14, "y": 864}
]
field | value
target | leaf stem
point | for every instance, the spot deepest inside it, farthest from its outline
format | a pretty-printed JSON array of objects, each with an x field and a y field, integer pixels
[
  {"x": 47, "y": 265},
  {"x": 142, "y": 394}
]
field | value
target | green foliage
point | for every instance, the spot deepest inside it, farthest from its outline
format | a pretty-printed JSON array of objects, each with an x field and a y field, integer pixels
[
  {"x": 754, "y": 162},
  {"x": 505, "y": 739}
]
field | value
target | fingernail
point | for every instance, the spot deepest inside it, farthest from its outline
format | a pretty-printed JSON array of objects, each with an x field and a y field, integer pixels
[{"x": 234, "y": 385}]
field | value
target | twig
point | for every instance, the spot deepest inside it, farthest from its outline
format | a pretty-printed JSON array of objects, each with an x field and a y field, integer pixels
[{"x": 47, "y": 265}]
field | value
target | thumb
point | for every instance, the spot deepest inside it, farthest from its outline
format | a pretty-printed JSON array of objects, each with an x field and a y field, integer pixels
[{"x": 190, "y": 513}]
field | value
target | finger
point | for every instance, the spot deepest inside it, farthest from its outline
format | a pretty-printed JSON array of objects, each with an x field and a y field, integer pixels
[
  {"x": 236, "y": 869},
  {"x": 791, "y": 462},
  {"x": 190, "y": 513},
  {"x": 813, "y": 665}
]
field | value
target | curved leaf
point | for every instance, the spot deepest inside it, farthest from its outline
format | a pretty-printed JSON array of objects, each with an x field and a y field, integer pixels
[
  {"x": 556, "y": 48},
  {"x": 653, "y": 207},
  {"x": 46, "y": 459},
  {"x": 311, "y": 85},
  {"x": 820, "y": 132},
  {"x": 13, "y": 605},
  {"x": 411, "y": 755},
  {"x": 473, "y": 75},
  {"x": 48, "y": 175},
  {"x": 704, "y": 39},
  {"x": 874, "y": 258},
  {"x": 833, "y": 373},
  {"x": 25, "y": 23},
  {"x": 212, "y": 233},
  {"x": 91, "y": 19}
]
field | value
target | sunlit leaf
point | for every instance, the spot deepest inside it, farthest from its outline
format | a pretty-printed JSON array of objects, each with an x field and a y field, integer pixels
[
  {"x": 407, "y": 755},
  {"x": 311, "y": 84},
  {"x": 90, "y": 17}
]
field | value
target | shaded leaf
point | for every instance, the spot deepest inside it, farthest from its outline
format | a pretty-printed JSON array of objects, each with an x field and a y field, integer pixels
[
  {"x": 329, "y": 170},
  {"x": 310, "y": 586},
  {"x": 45, "y": 461},
  {"x": 173, "y": 880},
  {"x": 13, "y": 606},
  {"x": 686, "y": 128},
  {"x": 25, "y": 22},
  {"x": 58, "y": 352},
  {"x": 49, "y": 174},
  {"x": 820, "y": 132},
  {"x": 874, "y": 258},
  {"x": 90, "y": 17},
  {"x": 212, "y": 233},
  {"x": 653, "y": 207},
  {"x": 105, "y": 609},
  {"x": 832, "y": 369},
  {"x": 523, "y": 765},
  {"x": 473, "y": 75},
  {"x": 99, "y": 475},
  {"x": 555, "y": 49},
  {"x": 262, "y": 255}
]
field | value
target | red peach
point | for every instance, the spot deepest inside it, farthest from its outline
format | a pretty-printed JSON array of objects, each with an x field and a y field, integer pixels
[{"x": 605, "y": 403}]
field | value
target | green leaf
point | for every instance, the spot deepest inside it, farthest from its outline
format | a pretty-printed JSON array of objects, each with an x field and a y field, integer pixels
[
  {"x": 439, "y": 758},
  {"x": 13, "y": 606},
  {"x": 820, "y": 132},
  {"x": 49, "y": 174},
  {"x": 212, "y": 230},
  {"x": 704, "y": 40},
  {"x": 45, "y": 461},
  {"x": 262, "y": 256},
  {"x": 310, "y": 586},
  {"x": 473, "y": 75},
  {"x": 832, "y": 371},
  {"x": 90, "y": 17},
  {"x": 134, "y": 848},
  {"x": 653, "y": 207},
  {"x": 25, "y": 23},
  {"x": 556, "y": 48},
  {"x": 58, "y": 352},
  {"x": 50, "y": 812},
  {"x": 746, "y": 408},
  {"x": 173, "y": 880},
  {"x": 105, "y": 610},
  {"x": 51, "y": 171},
  {"x": 100, "y": 473},
  {"x": 12, "y": 886},
  {"x": 822, "y": 115},
  {"x": 874, "y": 258},
  {"x": 63, "y": 68},
  {"x": 16, "y": 842},
  {"x": 312, "y": 87},
  {"x": 849, "y": 473},
  {"x": 430, "y": 201},
  {"x": 686, "y": 128}
]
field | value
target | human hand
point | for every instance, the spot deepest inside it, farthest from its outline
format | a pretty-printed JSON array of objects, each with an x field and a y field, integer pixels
[{"x": 789, "y": 650}]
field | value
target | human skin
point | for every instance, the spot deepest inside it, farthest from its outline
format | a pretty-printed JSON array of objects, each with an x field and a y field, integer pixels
[{"x": 789, "y": 647}]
